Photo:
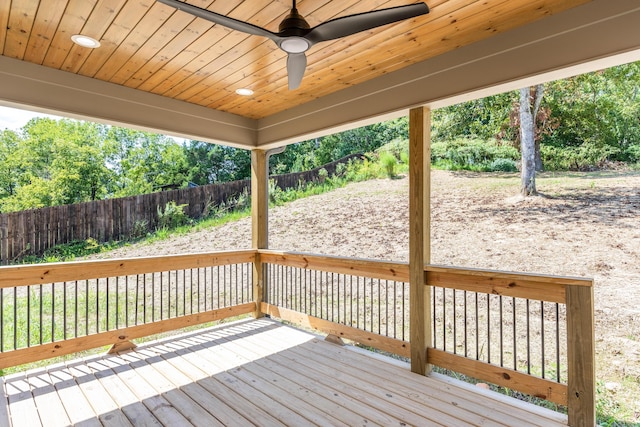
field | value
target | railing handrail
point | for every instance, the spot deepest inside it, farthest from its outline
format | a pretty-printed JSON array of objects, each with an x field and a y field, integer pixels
[
  {"x": 523, "y": 285},
  {"x": 161, "y": 300},
  {"x": 520, "y": 285},
  {"x": 504, "y": 274},
  {"x": 35, "y": 274},
  {"x": 386, "y": 270}
]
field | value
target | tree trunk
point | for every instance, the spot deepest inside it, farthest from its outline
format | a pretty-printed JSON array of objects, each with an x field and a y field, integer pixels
[
  {"x": 539, "y": 165},
  {"x": 529, "y": 103},
  {"x": 527, "y": 147}
]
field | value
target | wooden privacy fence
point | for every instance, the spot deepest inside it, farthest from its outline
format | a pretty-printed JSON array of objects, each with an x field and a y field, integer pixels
[
  {"x": 33, "y": 231},
  {"x": 292, "y": 180},
  {"x": 36, "y": 230}
]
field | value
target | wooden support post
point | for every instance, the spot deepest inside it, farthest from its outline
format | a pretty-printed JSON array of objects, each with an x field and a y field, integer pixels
[
  {"x": 259, "y": 220},
  {"x": 581, "y": 392},
  {"x": 419, "y": 236}
]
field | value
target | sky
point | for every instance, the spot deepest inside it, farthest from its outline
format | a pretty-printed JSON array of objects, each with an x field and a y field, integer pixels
[{"x": 15, "y": 119}]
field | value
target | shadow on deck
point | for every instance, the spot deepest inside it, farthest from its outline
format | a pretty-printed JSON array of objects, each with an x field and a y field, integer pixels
[{"x": 256, "y": 372}]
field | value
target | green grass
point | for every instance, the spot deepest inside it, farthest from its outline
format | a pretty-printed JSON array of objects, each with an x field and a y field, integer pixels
[{"x": 611, "y": 411}]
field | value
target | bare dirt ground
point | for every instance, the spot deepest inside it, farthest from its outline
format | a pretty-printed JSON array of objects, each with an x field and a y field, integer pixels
[{"x": 583, "y": 225}]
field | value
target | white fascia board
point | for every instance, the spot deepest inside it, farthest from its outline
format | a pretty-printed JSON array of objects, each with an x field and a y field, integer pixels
[{"x": 38, "y": 88}]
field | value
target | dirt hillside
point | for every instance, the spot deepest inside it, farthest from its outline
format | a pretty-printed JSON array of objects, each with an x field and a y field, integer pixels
[{"x": 584, "y": 225}]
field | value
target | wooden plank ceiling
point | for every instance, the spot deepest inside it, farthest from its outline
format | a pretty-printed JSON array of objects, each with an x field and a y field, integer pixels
[{"x": 154, "y": 48}]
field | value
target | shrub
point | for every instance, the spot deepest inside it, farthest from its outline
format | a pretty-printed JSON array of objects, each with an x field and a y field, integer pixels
[
  {"x": 363, "y": 171},
  {"x": 395, "y": 147},
  {"x": 172, "y": 216},
  {"x": 341, "y": 168},
  {"x": 503, "y": 165},
  {"x": 276, "y": 194},
  {"x": 404, "y": 156},
  {"x": 389, "y": 163},
  {"x": 587, "y": 156},
  {"x": 140, "y": 229},
  {"x": 322, "y": 175},
  {"x": 470, "y": 154},
  {"x": 238, "y": 203},
  {"x": 633, "y": 153}
]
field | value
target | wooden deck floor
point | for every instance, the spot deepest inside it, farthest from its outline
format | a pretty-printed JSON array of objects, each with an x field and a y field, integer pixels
[{"x": 256, "y": 372}]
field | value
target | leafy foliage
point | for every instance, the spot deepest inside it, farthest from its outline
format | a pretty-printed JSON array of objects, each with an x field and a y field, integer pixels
[
  {"x": 472, "y": 154},
  {"x": 389, "y": 163},
  {"x": 172, "y": 216},
  {"x": 481, "y": 119},
  {"x": 583, "y": 122},
  {"x": 600, "y": 110},
  {"x": 209, "y": 163},
  {"x": 307, "y": 155}
]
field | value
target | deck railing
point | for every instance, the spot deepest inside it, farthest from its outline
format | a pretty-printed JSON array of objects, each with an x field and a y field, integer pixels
[
  {"x": 365, "y": 301},
  {"x": 49, "y": 310},
  {"x": 510, "y": 329},
  {"x": 530, "y": 333}
]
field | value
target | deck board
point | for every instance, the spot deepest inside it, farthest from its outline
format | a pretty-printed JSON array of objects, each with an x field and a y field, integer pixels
[
  {"x": 105, "y": 408},
  {"x": 135, "y": 411},
  {"x": 47, "y": 401},
  {"x": 255, "y": 372}
]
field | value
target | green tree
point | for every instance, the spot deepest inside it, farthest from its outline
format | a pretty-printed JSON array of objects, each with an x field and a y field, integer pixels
[
  {"x": 9, "y": 164},
  {"x": 56, "y": 162},
  {"x": 142, "y": 161},
  {"x": 209, "y": 163},
  {"x": 320, "y": 151},
  {"x": 484, "y": 119},
  {"x": 295, "y": 158},
  {"x": 361, "y": 140},
  {"x": 598, "y": 115}
]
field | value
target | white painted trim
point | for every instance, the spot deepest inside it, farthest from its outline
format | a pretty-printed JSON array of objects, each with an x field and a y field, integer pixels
[{"x": 38, "y": 88}]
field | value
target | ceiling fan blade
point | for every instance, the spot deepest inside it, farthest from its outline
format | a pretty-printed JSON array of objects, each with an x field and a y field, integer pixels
[
  {"x": 352, "y": 24},
  {"x": 296, "y": 65},
  {"x": 223, "y": 20}
]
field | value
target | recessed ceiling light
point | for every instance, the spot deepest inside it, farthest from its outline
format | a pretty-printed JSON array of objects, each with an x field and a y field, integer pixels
[
  {"x": 244, "y": 91},
  {"x": 85, "y": 41}
]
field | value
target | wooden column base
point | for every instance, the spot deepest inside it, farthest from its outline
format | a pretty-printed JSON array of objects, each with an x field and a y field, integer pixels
[{"x": 119, "y": 347}]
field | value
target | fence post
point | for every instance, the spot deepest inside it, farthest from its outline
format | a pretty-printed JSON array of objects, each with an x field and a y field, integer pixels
[
  {"x": 581, "y": 356},
  {"x": 259, "y": 221}
]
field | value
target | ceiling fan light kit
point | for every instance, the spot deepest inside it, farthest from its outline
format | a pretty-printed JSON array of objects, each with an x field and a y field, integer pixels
[
  {"x": 295, "y": 36},
  {"x": 295, "y": 45}
]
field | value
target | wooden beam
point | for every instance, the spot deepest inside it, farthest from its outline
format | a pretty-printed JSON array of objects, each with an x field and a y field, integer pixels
[
  {"x": 36, "y": 87},
  {"x": 581, "y": 357},
  {"x": 419, "y": 236},
  {"x": 259, "y": 220}
]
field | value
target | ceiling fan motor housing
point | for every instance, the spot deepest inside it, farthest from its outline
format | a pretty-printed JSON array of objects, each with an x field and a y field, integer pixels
[{"x": 293, "y": 25}]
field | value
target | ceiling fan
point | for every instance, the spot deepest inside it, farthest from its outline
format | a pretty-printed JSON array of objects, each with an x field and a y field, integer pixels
[{"x": 295, "y": 36}]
